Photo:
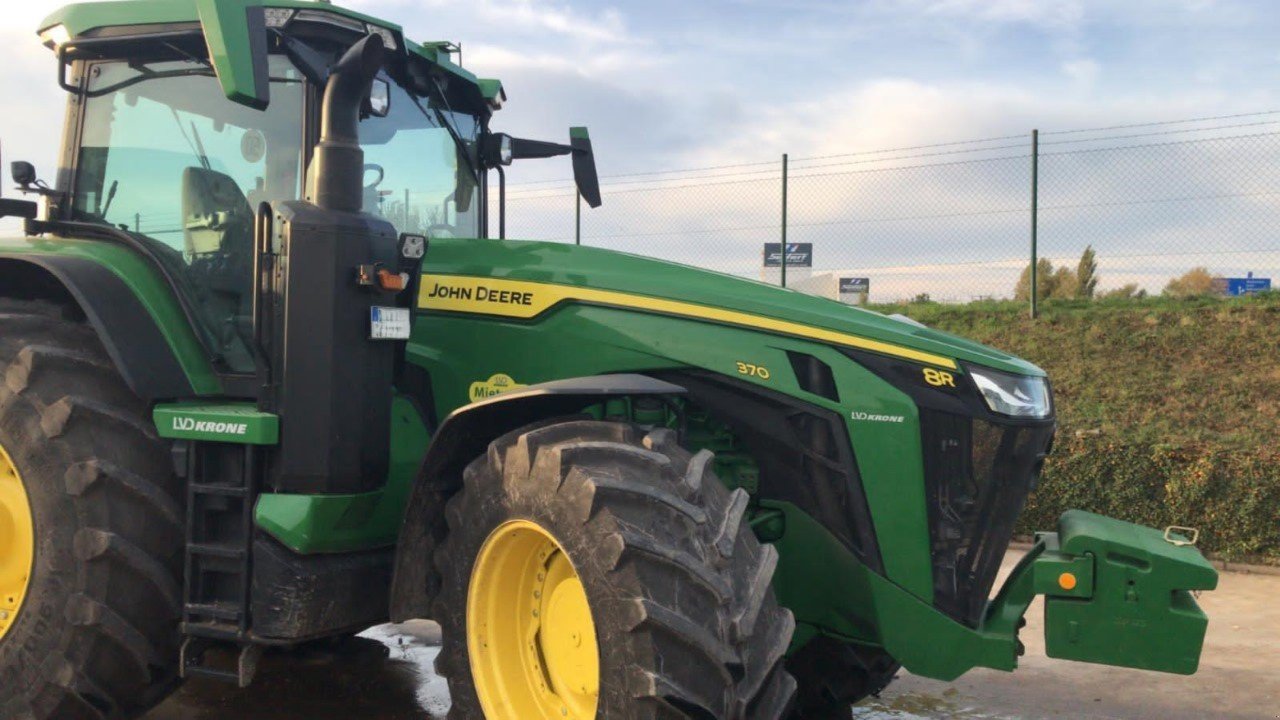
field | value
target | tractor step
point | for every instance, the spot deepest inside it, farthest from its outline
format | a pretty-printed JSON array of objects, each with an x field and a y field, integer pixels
[
  {"x": 195, "y": 662},
  {"x": 216, "y": 624},
  {"x": 215, "y": 610}
]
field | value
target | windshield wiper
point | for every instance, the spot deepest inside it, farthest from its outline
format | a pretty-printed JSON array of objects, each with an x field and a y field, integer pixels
[
  {"x": 197, "y": 147},
  {"x": 449, "y": 127},
  {"x": 111, "y": 196}
]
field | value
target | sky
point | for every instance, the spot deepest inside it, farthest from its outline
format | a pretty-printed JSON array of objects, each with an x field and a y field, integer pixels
[{"x": 668, "y": 84}]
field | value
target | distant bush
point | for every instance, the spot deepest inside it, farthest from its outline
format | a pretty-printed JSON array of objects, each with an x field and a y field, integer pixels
[
  {"x": 1060, "y": 283},
  {"x": 1126, "y": 292},
  {"x": 1232, "y": 497},
  {"x": 1196, "y": 282}
]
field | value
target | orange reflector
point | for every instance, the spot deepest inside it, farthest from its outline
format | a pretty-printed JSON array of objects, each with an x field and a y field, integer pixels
[
  {"x": 1067, "y": 581},
  {"x": 388, "y": 280}
]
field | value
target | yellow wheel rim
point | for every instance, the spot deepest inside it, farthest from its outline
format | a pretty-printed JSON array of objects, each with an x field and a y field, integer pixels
[
  {"x": 530, "y": 636},
  {"x": 17, "y": 542}
]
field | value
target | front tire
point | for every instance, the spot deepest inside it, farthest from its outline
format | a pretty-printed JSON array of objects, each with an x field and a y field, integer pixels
[
  {"x": 678, "y": 587},
  {"x": 96, "y": 635}
]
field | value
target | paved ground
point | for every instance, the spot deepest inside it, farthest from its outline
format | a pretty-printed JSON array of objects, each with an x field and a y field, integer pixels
[{"x": 386, "y": 675}]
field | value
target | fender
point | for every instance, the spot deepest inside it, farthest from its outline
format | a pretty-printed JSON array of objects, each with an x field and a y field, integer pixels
[
  {"x": 464, "y": 436},
  {"x": 126, "y": 329}
]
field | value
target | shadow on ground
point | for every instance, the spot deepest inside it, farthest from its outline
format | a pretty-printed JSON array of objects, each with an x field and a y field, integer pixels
[{"x": 387, "y": 674}]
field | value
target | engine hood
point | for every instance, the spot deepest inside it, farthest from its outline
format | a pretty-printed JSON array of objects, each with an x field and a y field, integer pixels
[{"x": 660, "y": 285}]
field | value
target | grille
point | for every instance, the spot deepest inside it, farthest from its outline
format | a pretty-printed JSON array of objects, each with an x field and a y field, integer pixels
[{"x": 978, "y": 474}]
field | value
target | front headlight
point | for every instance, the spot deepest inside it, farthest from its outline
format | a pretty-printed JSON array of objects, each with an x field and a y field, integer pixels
[{"x": 1016, "y": 395}]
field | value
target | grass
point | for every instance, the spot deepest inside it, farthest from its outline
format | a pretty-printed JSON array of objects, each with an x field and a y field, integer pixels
[
  {"x": 1169, "y": 409},
  {"x": 1158, "y": 370}
]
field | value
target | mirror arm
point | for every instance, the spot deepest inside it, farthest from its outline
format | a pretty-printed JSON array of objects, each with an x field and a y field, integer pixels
[{"x": 502, "y": 202}]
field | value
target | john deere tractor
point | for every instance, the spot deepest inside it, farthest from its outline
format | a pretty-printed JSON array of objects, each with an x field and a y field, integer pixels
[{"x": 267, "y": 380}]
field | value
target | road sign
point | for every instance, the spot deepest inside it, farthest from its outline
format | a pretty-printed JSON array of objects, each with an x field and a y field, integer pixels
[
  {"x": 1246, "y": 285},
  {"x": 855, "y": 286},
  {"x": 854, "y": 290},
  {"x": 798, "y": 255}
]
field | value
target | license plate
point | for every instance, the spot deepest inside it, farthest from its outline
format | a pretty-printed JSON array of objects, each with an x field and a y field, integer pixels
[{"x": 388, "y": 323}]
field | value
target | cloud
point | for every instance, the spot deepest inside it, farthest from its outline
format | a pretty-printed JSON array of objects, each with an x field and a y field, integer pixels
[
  {"x": 1083, "y": 72},
  {"x": 1064, "y": 13}
]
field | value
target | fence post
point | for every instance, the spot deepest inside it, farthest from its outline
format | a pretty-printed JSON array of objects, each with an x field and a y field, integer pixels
[
  {"x": 1035, "y": 220},
  {"x": 784, "y": 219},
  {"x": 577, "y": 220}
]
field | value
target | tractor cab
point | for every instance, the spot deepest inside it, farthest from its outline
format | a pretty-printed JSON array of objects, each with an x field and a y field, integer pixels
[
  {"x": 187, "y": 127},
  {"x": 178, "y": 147}
]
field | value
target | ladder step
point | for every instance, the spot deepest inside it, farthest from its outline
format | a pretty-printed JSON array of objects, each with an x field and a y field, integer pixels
[
  {"x": 216, "y": 610},
  {"x": 214, "y": 550},
  {"x": 194, "y": 663},
  {"x": 204, "y": 671},
  {"x": 212, "y": 631},
  {"x": 225, "y": 490}
]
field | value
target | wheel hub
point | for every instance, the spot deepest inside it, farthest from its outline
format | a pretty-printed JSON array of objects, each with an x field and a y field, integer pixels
[
  {"x": 530, "y": 635},
  {"x": 17, "y": 542}
]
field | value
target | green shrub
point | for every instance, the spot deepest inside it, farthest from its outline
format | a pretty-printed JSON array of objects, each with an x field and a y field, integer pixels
[{"x": 1232, "y": 496}]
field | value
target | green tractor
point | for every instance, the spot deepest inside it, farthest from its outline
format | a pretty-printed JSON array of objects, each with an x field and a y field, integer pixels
[{"x": 266, "y": 381}]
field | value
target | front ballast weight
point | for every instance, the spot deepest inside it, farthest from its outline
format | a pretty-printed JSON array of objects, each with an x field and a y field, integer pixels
[{"x": 1116, "y": 593}]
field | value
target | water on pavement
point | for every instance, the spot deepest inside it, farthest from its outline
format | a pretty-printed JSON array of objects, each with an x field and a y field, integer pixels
[{"x": 387, "y": 674}]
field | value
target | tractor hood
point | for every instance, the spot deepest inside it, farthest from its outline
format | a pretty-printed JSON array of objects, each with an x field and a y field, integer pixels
[{"x": 540, "y": 275}]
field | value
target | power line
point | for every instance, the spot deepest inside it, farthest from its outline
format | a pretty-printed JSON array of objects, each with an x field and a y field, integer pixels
[
  {"x": 1162, "y": 123},
  {"x": 1164, "y": 132}
]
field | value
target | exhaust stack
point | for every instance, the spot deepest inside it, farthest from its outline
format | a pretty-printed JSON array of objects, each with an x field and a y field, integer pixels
[
  {"x": 336, "y": 176},
  {"x": 335, "y": 383}
]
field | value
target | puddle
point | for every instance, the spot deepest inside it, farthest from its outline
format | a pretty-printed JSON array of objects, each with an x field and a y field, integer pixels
[
  {"x": 918, "y": 706},
  {"x": 387, "y": 673}
]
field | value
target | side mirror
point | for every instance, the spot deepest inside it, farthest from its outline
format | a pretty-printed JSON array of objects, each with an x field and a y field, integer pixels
[
  {"x": 24, "y": 209},
  {"x": 23, "y": 173},
  {"x": 499, "y": 149},
  {"x": 584, "y": 166},
  {"x": 379, "y": 102}
]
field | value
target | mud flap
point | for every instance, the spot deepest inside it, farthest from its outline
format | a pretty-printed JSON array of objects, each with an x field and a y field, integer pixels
[{"x": 1141, "y": 612}]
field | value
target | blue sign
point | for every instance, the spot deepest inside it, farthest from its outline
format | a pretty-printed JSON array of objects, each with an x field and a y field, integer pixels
[{"x": 1248, "y": 285}]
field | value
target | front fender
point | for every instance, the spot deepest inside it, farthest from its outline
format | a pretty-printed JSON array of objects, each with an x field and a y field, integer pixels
[
  {"x": 462, "y": 437},
  {"x": 133, "y": 312}
]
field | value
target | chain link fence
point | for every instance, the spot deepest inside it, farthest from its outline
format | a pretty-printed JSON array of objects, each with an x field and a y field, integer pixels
[{"x": 952, "y": 222}]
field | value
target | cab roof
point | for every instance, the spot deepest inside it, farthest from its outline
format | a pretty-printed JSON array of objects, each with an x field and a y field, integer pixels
[{"x": 218, "y": 19}]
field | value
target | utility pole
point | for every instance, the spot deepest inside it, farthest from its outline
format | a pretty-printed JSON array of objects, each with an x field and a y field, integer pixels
[
  {"x": 784, "y": 220},
  {"x": 1035, "y": 220}
]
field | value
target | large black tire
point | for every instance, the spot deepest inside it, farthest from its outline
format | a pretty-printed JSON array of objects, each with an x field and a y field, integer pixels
[
  {"x": 678, "y": 585},
  {"x": 834, "y": 675},
  {"x": 97, "y": 637}
]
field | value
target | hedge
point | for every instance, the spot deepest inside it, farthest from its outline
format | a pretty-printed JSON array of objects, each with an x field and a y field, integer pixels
[{"x": 1232, "y": 496}]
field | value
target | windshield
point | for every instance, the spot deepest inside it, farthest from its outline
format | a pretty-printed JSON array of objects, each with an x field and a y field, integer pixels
[
  {"x": 420, "y": 166},
  {"x": 167, "y": 156}
]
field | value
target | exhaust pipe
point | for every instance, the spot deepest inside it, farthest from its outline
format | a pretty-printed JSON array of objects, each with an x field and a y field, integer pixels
[{"x": 336, "y": 177}]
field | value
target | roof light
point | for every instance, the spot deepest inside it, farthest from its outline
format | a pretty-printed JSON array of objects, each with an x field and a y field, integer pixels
[
  {"x": 57, "y": 36},
  {"x": 388, "y": 37},
  {"x": 278, "y": 17},
  {"x": 329, "y": 18}
]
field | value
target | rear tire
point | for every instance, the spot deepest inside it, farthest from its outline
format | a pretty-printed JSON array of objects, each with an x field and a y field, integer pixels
[
  {"x": 678, "y": 586},
  {"x": 97, "y": 635}
]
